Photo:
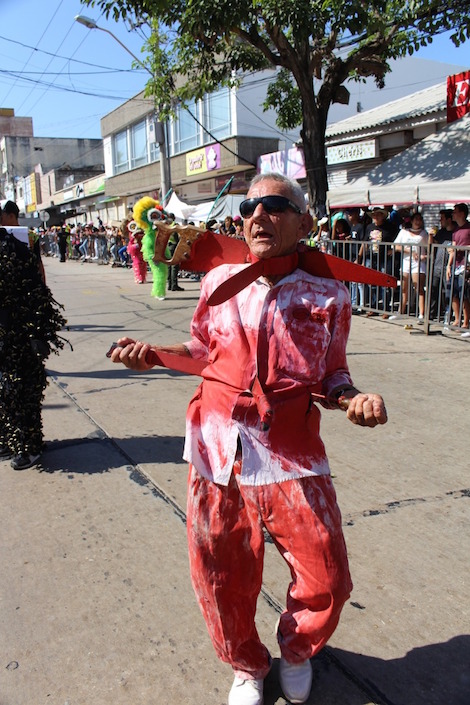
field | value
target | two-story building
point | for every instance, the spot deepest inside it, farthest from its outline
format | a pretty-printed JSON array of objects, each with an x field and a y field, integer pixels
[
  {"x": 33, "y": 168},
  {"x": 208, "y": 142}
]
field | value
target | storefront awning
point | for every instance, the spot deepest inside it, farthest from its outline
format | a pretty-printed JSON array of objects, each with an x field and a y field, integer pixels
[
  {"x": 109, "y": 199},
  {"x": 435, "y": 170}
]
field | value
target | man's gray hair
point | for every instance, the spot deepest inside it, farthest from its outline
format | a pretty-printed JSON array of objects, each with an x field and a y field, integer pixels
[{"x": 296, "y": 193}]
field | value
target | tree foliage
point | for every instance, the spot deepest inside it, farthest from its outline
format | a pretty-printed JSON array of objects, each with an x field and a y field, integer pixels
[{"x": 315, "y": 46}]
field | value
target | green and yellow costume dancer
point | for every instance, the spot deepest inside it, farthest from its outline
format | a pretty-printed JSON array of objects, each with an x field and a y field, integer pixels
[{"x": 143, "y": 211}]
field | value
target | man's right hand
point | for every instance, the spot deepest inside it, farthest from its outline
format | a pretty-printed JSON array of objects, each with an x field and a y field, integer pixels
[{"x": 132, "y": 354}]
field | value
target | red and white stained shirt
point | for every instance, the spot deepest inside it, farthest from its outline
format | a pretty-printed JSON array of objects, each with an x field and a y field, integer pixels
[{"x": 291, "y": 335}]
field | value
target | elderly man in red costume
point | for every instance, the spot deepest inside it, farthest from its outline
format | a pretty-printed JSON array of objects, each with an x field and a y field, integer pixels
[{"x": 253, "y": 443}]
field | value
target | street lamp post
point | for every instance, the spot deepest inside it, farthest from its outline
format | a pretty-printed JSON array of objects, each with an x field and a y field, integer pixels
[{"x": 161, "y": 133}]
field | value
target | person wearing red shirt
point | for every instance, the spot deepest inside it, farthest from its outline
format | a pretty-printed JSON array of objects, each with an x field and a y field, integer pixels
[{"x": 280, "y": 340}]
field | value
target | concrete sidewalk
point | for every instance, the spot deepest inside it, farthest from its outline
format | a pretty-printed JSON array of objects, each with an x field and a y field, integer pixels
[{"x": 96, "y": 600}]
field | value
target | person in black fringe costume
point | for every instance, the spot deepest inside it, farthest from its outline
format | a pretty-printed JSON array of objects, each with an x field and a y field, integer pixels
[{"x": 29, "y": 322}]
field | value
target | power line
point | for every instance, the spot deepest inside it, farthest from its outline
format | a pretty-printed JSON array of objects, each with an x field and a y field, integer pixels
[
  {"x": 67, "y": 58},
  {"x": 38, "y": 82},
  {"x": 51, "y": 60},
  {"x": 224, "y": 146},
  {"x": 275, "y": 129},
  {"x": 19, "y": 74},
  {"x": 35, "y": 48}
]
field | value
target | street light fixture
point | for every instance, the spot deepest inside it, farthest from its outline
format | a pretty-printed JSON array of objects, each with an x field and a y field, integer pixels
[
  {"x": 86, "y": 21},
  {"x": 164, "y": 170}
]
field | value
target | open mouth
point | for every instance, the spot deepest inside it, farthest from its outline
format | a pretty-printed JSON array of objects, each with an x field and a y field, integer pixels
[{"x": 262, "y": 235}]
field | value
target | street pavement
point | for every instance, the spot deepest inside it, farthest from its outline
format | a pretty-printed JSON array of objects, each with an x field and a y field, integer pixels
[{"x": 96, "y": 601}]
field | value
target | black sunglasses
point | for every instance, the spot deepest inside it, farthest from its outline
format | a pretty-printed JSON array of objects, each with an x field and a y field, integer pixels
[{"x": 271, "y": 204}]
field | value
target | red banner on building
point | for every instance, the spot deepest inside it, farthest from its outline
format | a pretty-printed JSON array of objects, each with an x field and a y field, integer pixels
[{"x": 458, "y": 96}]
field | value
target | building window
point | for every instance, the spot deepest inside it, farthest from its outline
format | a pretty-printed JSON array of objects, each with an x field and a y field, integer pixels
[
  {"x": 121, "y": 153},
  {"x": 153, "y": 144},
  {"x": 133, "y": 148},
  {"x": 154, "y": 152},
  {"x": 217, "y": 117},
  {"x": 186, "y": 131},
  {"x": 139, "y": 144}
]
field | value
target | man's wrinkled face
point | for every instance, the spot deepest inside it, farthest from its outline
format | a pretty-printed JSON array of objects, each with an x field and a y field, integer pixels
[{"x": 274, "y": 234}]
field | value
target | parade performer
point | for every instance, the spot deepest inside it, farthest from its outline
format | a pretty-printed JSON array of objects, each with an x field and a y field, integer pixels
[
  {"x": 134, "y": 249},
  {"x": 270, "y": 349},
  {"x": 146, "y": 211},
  {"x": 29, "y": 321}
]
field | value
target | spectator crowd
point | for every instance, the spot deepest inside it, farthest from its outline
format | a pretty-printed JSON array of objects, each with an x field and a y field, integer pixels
[{"x": 426, "y": 258}]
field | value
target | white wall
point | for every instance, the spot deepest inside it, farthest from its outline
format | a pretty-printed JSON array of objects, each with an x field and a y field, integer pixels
[{"x": 251, "y": 121}]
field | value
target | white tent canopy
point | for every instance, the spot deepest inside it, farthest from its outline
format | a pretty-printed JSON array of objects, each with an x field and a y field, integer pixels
[
  {"x": 435, "y": 170},
  {"x": 225, "y": 205}
]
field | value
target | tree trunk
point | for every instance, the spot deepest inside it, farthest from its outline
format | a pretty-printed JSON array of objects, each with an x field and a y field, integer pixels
[{"x": 313, "y": 143}]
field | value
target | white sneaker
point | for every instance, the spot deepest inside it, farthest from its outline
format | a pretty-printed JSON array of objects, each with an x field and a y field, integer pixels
[
  {"x": 296, "y": 680},
  {"x": 249, "y": 692}
]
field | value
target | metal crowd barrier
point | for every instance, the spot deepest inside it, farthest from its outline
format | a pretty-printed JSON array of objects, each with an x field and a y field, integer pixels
[{"x": 444, "y": 298}]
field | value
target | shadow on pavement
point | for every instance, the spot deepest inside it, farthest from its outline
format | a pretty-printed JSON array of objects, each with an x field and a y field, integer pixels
[
  {"x": 117, "y": 372},
  {"x": 153, "y": 449},
  {"x": 90, "y": 327},
  {"x": 97, "y": 453},
  {"x": 435, "y": 674}
]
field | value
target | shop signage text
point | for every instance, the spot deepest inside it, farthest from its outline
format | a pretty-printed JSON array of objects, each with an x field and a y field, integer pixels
[{"x": 351, "y": 152}]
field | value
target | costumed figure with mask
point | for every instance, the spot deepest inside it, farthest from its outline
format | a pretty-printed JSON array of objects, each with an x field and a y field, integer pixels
[
  {"x": 147, "y": 212},
  {"x": 134, "y": 249}
]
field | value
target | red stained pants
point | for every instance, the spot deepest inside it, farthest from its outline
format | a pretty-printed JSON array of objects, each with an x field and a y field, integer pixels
[{"x": 226, "y": 549}]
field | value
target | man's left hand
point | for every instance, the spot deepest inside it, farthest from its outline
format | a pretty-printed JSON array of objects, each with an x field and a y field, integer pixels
[{"x": 367, "y": 410}]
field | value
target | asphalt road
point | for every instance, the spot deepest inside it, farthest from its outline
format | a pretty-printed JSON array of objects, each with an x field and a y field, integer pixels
[{"x": 96, "y": 602}]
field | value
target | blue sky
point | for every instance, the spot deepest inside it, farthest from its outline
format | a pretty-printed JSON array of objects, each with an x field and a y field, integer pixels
[{"x": 67, "y": 77}]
